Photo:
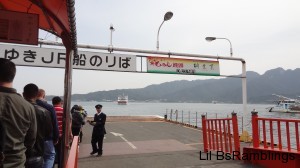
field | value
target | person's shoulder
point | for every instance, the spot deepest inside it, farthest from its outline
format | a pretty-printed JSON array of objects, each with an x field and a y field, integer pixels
[
  {"x": 40, "y": 108},
  {"x": 44, "y": 104},
  {"x": 20, "y": 102}
]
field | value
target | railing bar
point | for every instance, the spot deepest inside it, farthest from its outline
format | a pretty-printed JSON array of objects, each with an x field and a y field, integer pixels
[
  {"x": 220, "y": 133},
  {"x": 264, "y": 134},
  {"x": 297, "y": 136},
  {"x": 279, "y": 135},
  {"x": 225, "y": 136},
  {"x": 271, "y": 135},
  {"x": 278, "y": 119},
  {"x": 216, "y": 132},
  {"x": 288, "y": 135},
  {"x": 229, "y": 135},
  {"x": 208, "y": 130},
  {"x": 219, "y": 119},
  {"x": 213, "y": 135}
]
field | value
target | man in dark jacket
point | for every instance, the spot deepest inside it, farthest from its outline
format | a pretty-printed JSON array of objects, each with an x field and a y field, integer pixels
[
  {"x": 18, "y": 118},
  {"x": 98, "y": 130},
  {"x": 34, "y": 157}
]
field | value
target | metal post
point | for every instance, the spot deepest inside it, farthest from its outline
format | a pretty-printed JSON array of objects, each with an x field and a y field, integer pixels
[
  {"x": 157, "y": 41},
  {"x": 66, "y": 114},
  {"x": 176, "y": 113},
  {"x": 189, "y": 117},
  {"x": 182, "y": 116},
  {"x": 196, "y": 119},
  {"x": 242, "y": 124},
  {"x": 235, "y": 133},
  {"x": 244, "y": 88},
  {"x": 255, "y": 128},
  {"x": 144, "y": 51},
  {"x": 204, "y": 134}
]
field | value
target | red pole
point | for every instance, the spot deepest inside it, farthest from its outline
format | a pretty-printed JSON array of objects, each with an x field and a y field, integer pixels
[
  {"x": 204, "y": 134},
  {"x": 288, "y": 135},
  {"x": 279, "y": 135},
  {"x": 271, "y": 134},
  {"x": 221, "y": 135},
  {"x": 255, "y": 129},
  {"x": 213, "y": 134},
  {"x": 264, "y": 134},
  {"x": 235, "y": 134},
  {"x": 229, "y": 135},
  {"x": 209, "y": 133},
  {"x": 216, "y": 132},
  {"x": 225, "y": 136}
]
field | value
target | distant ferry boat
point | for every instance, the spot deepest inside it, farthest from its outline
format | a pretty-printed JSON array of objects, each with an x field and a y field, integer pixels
[
  {"x": 122, "y": 99},
  {"x": 286, "y": 105}
]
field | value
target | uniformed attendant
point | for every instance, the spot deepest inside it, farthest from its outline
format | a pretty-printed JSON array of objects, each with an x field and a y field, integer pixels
[{"x": 98, "y": 130}]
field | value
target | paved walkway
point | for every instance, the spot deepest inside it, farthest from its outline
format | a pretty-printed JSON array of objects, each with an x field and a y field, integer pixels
[{"x": 149, "y": 144}]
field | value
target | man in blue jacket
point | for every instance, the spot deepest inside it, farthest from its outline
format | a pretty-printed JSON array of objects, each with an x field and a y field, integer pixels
[
  {"x": 49, "y": 153},
  {"x": 98, "y": 130}
]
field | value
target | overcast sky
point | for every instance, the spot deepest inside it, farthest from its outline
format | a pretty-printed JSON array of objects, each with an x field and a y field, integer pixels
[{"x": 266, "y": 33}]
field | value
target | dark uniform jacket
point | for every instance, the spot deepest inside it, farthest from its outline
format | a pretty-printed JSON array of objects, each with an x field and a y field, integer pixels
[{"x": 99, "y": 127}]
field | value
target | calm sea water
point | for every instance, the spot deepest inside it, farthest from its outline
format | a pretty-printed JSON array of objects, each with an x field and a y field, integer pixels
[{"x": 141, "y": 108}]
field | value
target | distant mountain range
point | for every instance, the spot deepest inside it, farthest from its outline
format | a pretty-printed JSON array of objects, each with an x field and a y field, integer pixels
[{"x": 227, "y": 90}]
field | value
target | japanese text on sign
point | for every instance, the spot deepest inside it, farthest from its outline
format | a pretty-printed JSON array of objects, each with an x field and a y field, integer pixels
[
  {"x": 182, "y": 66},
  {"x": 46, "y": 57}
]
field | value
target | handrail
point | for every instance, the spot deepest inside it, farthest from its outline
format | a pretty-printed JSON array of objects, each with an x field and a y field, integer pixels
[
  {"x": 217, "y": 134},
  {"x": 278, "y": 122},
  {"x": 73, "y": 155}
]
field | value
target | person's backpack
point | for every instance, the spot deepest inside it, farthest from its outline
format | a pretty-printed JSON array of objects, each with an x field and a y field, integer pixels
[{"x": 77, "y": 120}]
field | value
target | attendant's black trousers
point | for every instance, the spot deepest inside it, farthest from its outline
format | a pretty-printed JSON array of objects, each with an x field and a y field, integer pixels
[{"x": 97, "y": 139}]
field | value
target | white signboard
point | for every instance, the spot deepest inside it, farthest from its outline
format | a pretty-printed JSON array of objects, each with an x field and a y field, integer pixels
[{"x": 49, "y": 57}]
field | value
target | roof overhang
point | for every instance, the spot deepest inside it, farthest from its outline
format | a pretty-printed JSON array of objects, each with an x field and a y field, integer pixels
[{"x": 55, "y": 16}]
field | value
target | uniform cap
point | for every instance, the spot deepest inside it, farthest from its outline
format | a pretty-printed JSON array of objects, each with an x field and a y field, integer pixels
[{"x": 98, "y": 106}]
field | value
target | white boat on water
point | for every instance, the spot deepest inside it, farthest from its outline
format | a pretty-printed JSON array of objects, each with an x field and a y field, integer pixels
[
  {"x": 122, "y": 99},
  {"x": 286, "y": 105}
]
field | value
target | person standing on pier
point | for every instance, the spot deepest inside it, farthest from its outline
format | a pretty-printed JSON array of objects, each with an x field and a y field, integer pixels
[{"x": 98, "y": 130}]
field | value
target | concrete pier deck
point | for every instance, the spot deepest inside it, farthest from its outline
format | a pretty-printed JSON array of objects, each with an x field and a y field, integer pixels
[{"x": 134, "y": 142}]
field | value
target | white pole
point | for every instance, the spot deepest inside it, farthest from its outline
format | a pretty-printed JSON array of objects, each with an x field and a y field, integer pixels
[{"x": 244, "y": 87}]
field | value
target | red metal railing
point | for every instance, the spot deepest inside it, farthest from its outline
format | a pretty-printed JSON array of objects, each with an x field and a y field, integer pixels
[
  {"x": 73, "y": 154},
  {"x": 219, "y": 133},
  {"x": 271, "y": 122},
  {"x": 284, "y": 132}
]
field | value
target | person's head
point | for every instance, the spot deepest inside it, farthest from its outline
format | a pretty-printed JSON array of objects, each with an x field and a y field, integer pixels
[
  {"x": 30, "y": 92},
  {"x": 57, "y": 101},
  {"x": 98, "y": 108},
  {"x": 41, "y": 94},
  {"x": 8, "y": 72},
  {"x": 75, "y": 108}
]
